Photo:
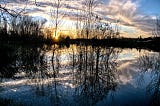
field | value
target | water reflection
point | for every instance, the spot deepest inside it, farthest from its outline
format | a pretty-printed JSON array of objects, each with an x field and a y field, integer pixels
[
  {"x": 95, "y": 73},
  {"x": 150, "y": 63},
  {"x": 7, "y": 62},
  {"x": 78, "y": 75}
]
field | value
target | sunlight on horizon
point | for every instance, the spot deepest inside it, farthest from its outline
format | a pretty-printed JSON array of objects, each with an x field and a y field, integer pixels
[{"x": 129, "y": 15}]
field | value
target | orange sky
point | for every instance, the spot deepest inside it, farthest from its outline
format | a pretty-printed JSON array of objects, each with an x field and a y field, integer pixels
[{"x": 134, "y": 21}]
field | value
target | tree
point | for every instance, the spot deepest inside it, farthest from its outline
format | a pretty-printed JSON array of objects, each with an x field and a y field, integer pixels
[
  {"x": 90, "y": 6},
  {"x": 79, "y": 24},
  {"x": 6, "y": 13},
  {"x": 56, "y": 15},
  {"x": 11, "y": 12},
  {"x": 156, "y": 30}
]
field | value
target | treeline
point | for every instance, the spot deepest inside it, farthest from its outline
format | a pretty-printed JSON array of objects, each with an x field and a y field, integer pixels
[
  {"x": 23, "y": 29},
  {"x": 151, "y": 43}
]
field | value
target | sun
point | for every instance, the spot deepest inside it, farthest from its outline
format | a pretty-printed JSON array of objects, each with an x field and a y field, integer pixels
[{"x": 55, "y": 37}]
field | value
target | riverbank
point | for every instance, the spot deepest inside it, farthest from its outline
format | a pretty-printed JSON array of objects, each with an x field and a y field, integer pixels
[
  {"x": 146, "y": 43},
  {"x": 139, "y": 43}
]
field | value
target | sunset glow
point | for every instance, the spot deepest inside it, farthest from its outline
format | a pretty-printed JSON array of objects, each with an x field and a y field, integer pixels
[
  {"x": 133, "y": 14},
  {"x": 80, "y": 52}
]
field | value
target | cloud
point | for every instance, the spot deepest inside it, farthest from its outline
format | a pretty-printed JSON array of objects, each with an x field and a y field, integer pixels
[
  {"x": 126, "y": 11},
  {"x": 123, "y": 10}
]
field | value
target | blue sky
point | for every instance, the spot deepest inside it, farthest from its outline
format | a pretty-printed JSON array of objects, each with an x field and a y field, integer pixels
[
  {"x": 136, "y": 16},
  {"x": 150, "y": 7}
]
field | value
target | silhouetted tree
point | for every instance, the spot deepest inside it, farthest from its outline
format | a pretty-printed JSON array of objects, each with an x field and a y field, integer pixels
[
  {"x": 156, "y": 31},
  {"x": 12, "y": 12},
  {"x": 56, "y": 14},
  {"x": 90, "y": 6}
]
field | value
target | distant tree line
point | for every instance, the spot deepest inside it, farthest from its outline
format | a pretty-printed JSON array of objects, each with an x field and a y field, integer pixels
[
  {"x": 23, "y": 28},
  {"x": 89, "y": 24}
]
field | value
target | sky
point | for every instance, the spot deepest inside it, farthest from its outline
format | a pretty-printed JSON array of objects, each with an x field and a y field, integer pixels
[{"x": 135, "y": 16}]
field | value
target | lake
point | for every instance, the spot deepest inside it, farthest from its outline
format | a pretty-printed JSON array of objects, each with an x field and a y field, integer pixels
[{"x": 78, "y": 75}]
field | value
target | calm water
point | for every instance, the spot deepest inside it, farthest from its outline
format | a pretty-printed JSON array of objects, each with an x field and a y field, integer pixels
[{"x": 78, "y": 76}]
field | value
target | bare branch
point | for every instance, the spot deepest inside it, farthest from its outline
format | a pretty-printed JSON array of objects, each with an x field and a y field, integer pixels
[
  {"x": 12, "y": 12},
  {"x": 56, "y": 15}
]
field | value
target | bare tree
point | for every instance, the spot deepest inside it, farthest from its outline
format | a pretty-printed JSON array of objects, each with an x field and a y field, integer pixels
[
  {"x": 57, "y": 15},
  {"x": 6, "y": 12},
  {"x": 5, "y": 9},
  {"x": 156, "y": 30},
  {"x": 79, "y": 23},
  {"x": 90, "y": 6}
]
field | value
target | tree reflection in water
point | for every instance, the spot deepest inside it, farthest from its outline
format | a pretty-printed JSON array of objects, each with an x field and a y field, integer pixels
[
  {"x": 7, "y": 62},
  {"x": 90, "y": 71},
  {"x": 151, "y": 63},
  {"x": 95, "y": 73}
]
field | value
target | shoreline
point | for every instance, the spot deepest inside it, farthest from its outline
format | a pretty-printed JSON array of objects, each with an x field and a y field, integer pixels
[{"x": 138, "y": 43}]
